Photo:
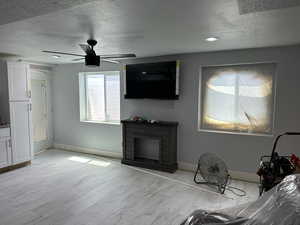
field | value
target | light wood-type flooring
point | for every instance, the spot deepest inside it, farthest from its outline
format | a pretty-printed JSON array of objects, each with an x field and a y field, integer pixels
[{"x": 66, "y": 188}]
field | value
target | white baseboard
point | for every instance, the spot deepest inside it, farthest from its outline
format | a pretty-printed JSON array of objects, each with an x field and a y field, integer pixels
[
  {"x": 187, "y": 166},
  {"x": 238, "y": 175},
  {"x": 37, "y": 153},
  {"x": 93, "y": 151},
  {"x": 244, "y": 176}
]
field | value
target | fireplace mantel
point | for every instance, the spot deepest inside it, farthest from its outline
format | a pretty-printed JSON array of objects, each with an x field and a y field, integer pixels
[{"x": 164, "y": 132}]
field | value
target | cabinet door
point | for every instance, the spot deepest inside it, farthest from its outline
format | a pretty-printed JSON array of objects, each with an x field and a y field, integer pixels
[
  {"x": 20, "y": 114},
  {"x": 5, "y": 153},
  {"x": 18, "y": 80}
]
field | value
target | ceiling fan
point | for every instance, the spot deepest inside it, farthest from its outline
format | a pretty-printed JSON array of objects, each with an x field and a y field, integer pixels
[{"x": 91, "y": 58}]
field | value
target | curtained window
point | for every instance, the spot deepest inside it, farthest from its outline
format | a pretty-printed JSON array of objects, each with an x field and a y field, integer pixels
[{"x": 238, "y": 98}]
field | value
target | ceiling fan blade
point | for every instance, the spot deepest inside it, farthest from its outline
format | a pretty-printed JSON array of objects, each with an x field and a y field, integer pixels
[
  {"x": 78, "y": 59},
  {"x": 87, "y": 49},
  {"x": 118, "y": 56},
  {"x": 110, "y": 61},
  {"x": 62, "y": 53}
]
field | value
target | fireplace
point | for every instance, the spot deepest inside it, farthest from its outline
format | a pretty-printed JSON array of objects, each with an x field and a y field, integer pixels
[
  {"x": 150, "y": 145},
  {"x": 146, "y": 148}
]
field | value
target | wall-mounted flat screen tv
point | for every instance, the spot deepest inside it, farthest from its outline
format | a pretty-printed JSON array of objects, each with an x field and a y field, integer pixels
[{"x": 158, "y": 80}]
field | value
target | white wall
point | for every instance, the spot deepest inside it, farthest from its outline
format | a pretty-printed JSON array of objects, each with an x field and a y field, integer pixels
[{"x": 241, "y": 152}]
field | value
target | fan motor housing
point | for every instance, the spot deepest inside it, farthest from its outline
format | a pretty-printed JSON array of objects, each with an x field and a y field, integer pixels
[{"x": 92, "y": 60}]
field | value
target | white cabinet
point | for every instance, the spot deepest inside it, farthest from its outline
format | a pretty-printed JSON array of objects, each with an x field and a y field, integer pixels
[
  {"x": 18, "y": 81},
  {"x": 5, "y": 153},
  {"x": 21, "y": 131},
  {"x": 5, "y": 150},
  {"x": 16, "y": 99}
]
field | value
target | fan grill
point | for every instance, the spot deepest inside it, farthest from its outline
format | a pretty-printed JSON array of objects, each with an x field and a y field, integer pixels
[{"x": 213, "y": 170}]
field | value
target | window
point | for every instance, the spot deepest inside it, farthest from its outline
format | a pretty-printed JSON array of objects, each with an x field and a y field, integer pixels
[
  {"x": 100, "y": 96},
  {"x": 238, "y": 98}
]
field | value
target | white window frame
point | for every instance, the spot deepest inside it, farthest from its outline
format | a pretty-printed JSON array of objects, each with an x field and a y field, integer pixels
[
  {"x": 83, "y": 98},
  {"x": 199, "y": 121}
]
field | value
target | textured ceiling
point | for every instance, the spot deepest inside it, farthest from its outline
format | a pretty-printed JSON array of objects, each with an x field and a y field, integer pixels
[
  {"x": 144, "y": 27},
  {"x": 14, "y": 10},
  {"x": 250, "y": 6}
]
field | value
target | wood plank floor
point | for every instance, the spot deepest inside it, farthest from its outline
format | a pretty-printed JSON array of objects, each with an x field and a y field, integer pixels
[{"x": 66, "y": 188}]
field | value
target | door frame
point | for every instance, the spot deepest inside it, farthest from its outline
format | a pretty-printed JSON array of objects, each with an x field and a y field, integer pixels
[{"x": 45, "y": 75}]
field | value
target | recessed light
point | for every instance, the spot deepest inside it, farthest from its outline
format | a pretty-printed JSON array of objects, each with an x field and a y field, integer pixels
[
  {"x": 211, "y": 39},
  {"x": 56, "y": 56}
]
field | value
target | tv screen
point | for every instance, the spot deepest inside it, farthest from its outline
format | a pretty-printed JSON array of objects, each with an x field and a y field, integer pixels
[{"x": 152, "y": 80}]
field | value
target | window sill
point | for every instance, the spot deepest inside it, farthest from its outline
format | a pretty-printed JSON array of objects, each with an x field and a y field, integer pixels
[
  {"x": 235, "y": 133},
  {"x": 101, "y": 122}
]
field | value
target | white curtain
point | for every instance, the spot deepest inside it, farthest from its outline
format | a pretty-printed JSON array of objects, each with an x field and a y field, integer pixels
[{"x": 238, "y": 98}]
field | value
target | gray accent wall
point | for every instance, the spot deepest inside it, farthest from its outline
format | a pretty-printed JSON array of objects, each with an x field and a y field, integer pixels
[
  {"x": 68, "y": 129},
  {"x": 4, "y": 93},
  {"x": 241, "y": 152}
]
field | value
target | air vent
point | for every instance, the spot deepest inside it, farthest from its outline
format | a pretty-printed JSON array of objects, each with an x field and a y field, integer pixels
[{"x": 251, "y": 6}]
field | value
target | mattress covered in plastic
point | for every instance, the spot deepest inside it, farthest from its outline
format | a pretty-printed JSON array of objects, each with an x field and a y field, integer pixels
[{"x": 279, "y": 206}]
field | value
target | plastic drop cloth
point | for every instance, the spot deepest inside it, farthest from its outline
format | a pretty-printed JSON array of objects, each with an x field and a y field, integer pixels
[{"x": 279, "y": 206}]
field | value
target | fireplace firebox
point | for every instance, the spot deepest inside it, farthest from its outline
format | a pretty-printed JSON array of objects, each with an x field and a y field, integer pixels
[{"x": 150, "y": 145}]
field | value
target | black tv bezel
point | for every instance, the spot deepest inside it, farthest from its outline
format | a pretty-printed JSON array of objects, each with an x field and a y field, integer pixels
[{"x": 173, "y": 97}]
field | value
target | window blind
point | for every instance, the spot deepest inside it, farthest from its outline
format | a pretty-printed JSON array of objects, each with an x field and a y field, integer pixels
[
  {"x": 113, "y": 97},
  {"x": 102, "y": 97},
  {"x": 95, "y": 97},
  {"x": 238, "y": 98}
]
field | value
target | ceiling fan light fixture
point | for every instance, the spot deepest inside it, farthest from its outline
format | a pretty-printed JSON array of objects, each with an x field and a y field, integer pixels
[{"x": 92, "y": 60}]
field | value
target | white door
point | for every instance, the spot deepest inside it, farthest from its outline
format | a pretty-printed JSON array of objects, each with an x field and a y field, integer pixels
[
  {"x": 20, "y": 114},
  {"x": 40, "y": 121},
  {"x": 5, "y": 153},
  {"x": 18, "y": 80}
]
